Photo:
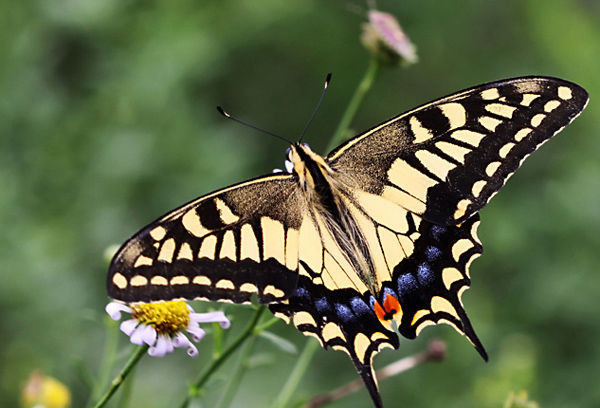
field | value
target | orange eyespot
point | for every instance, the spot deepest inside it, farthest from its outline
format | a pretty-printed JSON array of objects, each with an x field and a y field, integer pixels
[
  {"x": 391, "y": 304},
  {"x": 379, "y": 312},
  {"x": 391, "y": 308}
]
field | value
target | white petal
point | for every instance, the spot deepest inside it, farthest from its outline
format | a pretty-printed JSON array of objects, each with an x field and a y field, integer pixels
[
  {"x": 289, "y": 166},
  {"x": 114, "y": 310},
  {"x": 180, "y": 340},
  {"x": 163, "y": 346},
  {"x": 170, "y": 346},
  {"x": 149, "y": 335},
  {"x": 128, "y": 326},
  {"x": 192, "y": 350},
  {"x": 137, "y": 335},
  {"x": 218, "y": 317},
  {"x": 196, "y": 332}
]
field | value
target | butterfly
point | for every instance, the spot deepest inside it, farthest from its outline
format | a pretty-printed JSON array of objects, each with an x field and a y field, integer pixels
[{"x": 371, "y": 241}]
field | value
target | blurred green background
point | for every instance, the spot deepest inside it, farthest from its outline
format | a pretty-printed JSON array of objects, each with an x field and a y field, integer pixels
[{"x": 107, "y": 120}]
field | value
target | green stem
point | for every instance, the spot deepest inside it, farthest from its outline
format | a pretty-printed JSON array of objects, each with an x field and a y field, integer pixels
[
  {"x": 118, "y": 380},
  {"x": 218, "y": 340},
  {"x": 126, "y": 392},
  {"x": 108, "y": 359},
  {"x": 293, "y": 380},
  {"x": 359, "y": 95},
  {"x": 194, "y": 389},
  {"x": 266, "y": 325},
  {"x": 238, "y": 373}
]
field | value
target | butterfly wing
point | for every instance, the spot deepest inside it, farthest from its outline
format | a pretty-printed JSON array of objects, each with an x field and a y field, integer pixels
[
  {"x": 445, "y": 160},
  {"x": 332, "y": 303},
  {"x": 441, "y": 163},
  {"x": 223, "y": 246},
  {"x": 428, "y": 278},
  {"x": 431, "y": 281}
]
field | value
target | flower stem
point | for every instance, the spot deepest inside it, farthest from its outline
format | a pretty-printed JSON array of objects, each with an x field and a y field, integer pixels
[
  {"x": 267, "y": 324},
  {"x": 249, "y": 330},
  {"x": 126, "y": 392},
  {"x": 118, "y": 380},
  {"x": 218, "y": 340},
  {"x": 108, "y": 360},
  {"x": 238, "y": 373},
  {"x": 298, "y": 371},
  {"x": 361, "y": 91}
]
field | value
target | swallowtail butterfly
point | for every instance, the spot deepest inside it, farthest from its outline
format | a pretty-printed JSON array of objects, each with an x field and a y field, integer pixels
[{"x": 373, "y": 240}]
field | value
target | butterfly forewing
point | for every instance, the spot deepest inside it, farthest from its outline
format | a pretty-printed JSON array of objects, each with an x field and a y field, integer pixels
[
  {"x": 446, "y": 159},
  {"x": 223, "y": 246}
]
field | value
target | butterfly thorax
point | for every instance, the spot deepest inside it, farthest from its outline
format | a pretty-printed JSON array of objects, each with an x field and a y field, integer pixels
[
  {"x": 312, "y": 169},
  {"x": 328, "y": 199}
]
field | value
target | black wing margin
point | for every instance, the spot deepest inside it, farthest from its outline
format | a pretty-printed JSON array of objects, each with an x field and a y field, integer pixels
[{"x": 224, "y": 246}]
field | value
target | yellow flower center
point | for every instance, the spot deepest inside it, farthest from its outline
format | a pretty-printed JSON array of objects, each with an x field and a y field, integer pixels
[{"x": 166, "y": 317}]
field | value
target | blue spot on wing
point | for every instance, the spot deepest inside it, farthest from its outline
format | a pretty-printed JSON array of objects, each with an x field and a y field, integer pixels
[
  {"x": 436, "y": 231},
  {"x": 406, "y": 284},
  {"x": 388, "y": 291},
  {"x": 424, "y": 274},
  {"x": 343, "y": 312},
  {"x": 432, "y": 253},
  {"x": 372, "y": 301},
  {"x": 302, "y": 293},
  {"x": 359, "y": 306},
  {"x": 322, "y": 305}
]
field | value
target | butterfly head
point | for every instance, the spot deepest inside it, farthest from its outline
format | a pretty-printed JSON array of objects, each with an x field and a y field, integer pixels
[{"x": 308, "y": 166}]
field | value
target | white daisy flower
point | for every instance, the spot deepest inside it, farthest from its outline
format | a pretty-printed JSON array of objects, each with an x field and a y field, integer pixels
[{"x": 160, "y": 325}]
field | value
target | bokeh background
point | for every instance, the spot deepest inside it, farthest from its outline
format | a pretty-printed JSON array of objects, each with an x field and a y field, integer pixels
[{"x": 107, "y": 121}]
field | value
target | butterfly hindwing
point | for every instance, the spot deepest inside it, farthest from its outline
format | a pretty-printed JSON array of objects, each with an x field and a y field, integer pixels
[
  {"x": 428, "y": 283},
  {"x": 446, "y": 159},
  {"x": 224, "y": 246},
  {"x": 340, "y": 319}
]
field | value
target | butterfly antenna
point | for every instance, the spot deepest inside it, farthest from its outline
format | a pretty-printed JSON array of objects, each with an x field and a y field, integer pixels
[
  {"x": 318, "y": 105},
  {"x": 228, "y": 116}
]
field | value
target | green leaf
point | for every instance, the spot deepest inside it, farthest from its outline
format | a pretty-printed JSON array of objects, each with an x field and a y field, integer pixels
[{"x": 280, "y": 342}]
